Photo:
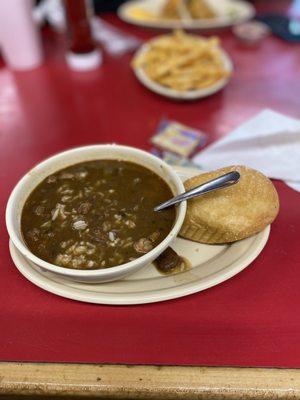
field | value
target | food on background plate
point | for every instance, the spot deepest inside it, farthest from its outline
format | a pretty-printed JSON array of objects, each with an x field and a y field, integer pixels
[
  {"x": 176, "y": 10},
  {"x": 230, "y": 214},
  {"x": 172, "y": 9},
  {"x": 96, "y": 214},
  {"x": 199, "y": 9},
  {"x": 140, "y": 13},
  {"x": 183, "y": 62},
  {"x": 187, "y": 9}
]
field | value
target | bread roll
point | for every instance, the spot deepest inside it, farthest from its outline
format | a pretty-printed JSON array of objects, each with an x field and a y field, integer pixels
[{"x": 230, "y": 214}]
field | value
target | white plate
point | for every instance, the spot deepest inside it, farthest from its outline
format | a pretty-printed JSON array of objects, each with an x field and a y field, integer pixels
[
  {"x": 177, "y": 94},
  {"x": 228, "y": 13},
  {"x": 211, "y": 265}
]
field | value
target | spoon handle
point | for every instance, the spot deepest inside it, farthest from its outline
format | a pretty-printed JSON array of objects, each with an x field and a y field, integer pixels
[{"x": 221, "y": 182}]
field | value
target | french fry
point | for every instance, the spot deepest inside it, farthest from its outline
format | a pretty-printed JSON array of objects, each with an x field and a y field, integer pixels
[{"x": 183, "y": 62}]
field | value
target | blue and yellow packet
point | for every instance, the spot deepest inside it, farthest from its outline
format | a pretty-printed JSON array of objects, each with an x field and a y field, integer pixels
[{"x": 177, "y": 138}]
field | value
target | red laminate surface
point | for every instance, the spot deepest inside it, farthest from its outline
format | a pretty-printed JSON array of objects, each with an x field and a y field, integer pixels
[{"x": 252, "y": 319}]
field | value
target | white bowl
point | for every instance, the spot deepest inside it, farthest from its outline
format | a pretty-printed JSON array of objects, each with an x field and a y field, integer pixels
[
  {"x": 186, "y": 95},
  {"x": 108, "y": 151}
]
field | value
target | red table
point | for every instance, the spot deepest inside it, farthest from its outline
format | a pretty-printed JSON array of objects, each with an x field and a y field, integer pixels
[{"x": 250, "y": 320}]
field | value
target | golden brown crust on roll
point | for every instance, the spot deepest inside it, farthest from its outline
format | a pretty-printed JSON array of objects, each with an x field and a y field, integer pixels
[{"x": 230, "y": 214}]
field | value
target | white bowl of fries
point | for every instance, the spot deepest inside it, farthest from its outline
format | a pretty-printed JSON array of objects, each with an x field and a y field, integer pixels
[{"x": 183, "y": 66}]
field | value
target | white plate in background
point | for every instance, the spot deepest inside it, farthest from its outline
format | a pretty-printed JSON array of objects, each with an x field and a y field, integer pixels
[{"x": 228, "y": 13}]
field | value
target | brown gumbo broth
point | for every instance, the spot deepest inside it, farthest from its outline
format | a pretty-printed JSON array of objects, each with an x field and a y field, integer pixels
[{"x": 96, "y": 214}]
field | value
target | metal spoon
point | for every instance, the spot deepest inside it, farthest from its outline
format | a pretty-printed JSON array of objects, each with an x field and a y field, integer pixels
[{"x": 221, "y": 182}]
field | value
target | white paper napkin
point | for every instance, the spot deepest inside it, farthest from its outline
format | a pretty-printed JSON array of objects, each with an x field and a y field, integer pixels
[{"x": 268, "y": 142}]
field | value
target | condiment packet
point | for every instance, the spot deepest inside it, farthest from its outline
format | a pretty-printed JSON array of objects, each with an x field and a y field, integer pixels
[{"x": 177, "y": 138}]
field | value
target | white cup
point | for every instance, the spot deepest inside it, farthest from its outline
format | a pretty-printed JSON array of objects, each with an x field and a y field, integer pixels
[{"x": 20, "y": 41}]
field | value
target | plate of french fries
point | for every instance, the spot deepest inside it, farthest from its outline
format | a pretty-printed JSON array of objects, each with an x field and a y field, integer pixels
[
  {"x": 182, "y": 66},
  {"x": 186, "y": 14}
]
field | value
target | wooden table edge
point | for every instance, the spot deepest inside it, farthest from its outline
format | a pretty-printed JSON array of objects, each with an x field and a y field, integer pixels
[{"x": 146, "y": 382}]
